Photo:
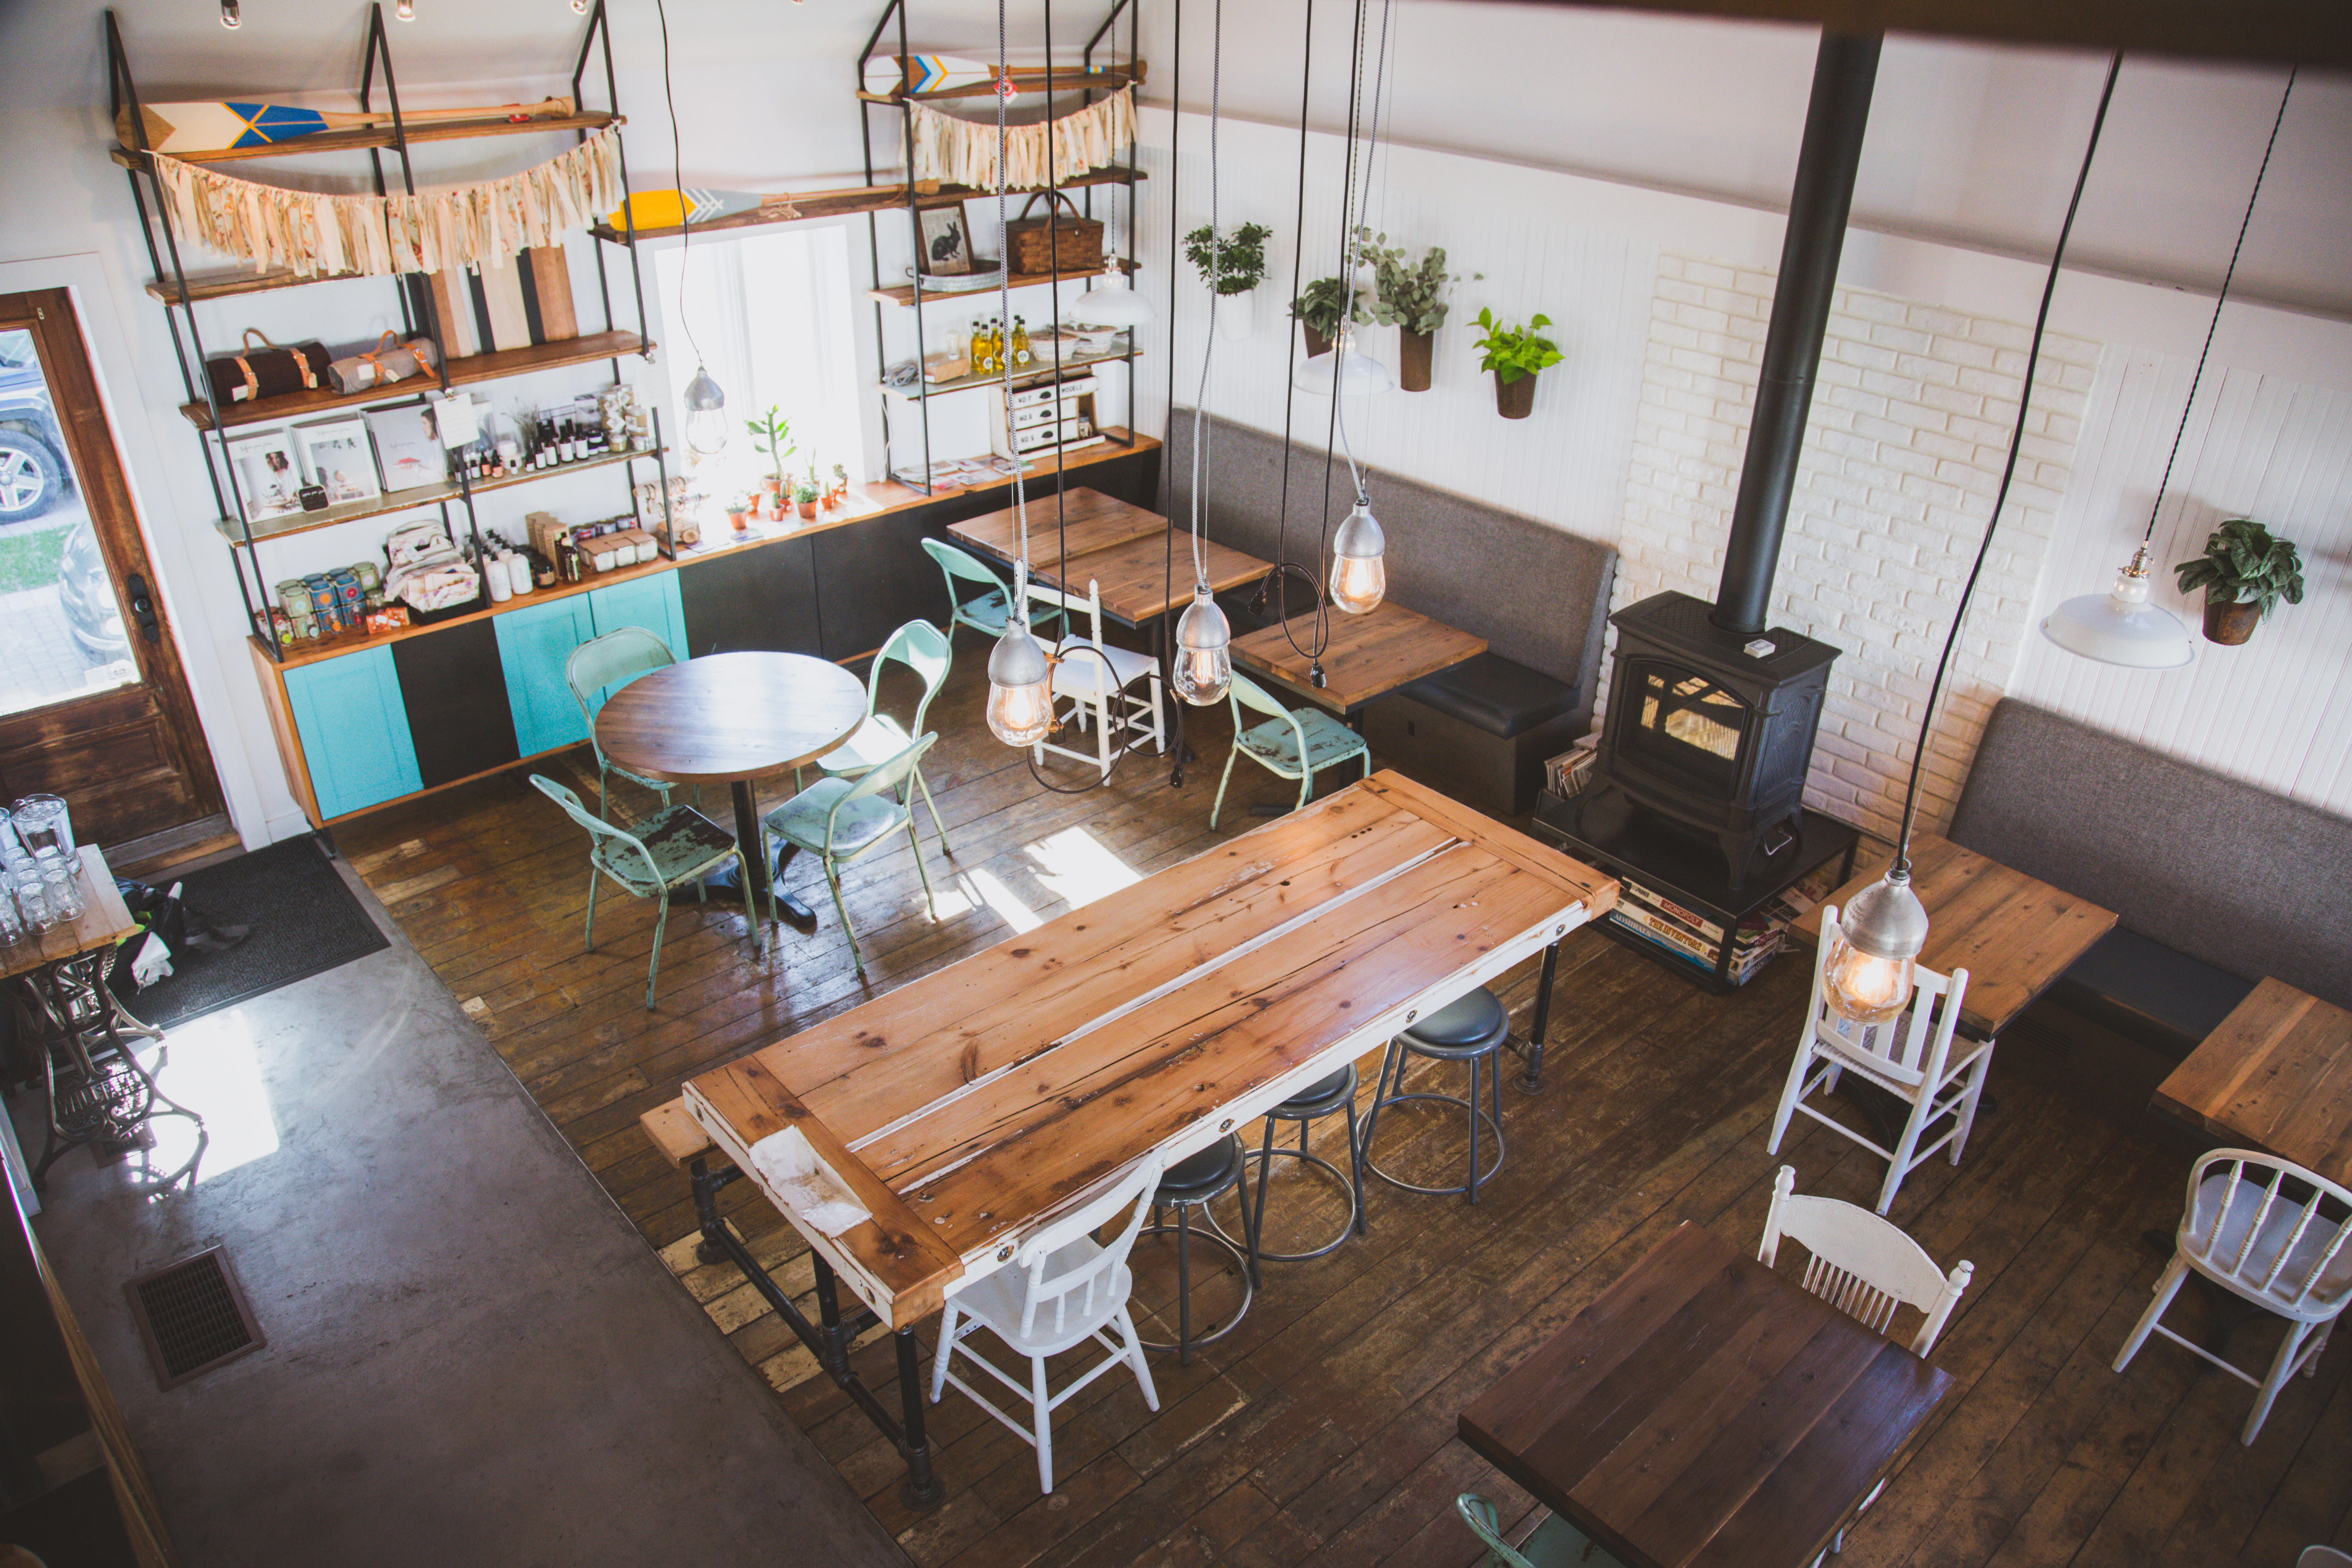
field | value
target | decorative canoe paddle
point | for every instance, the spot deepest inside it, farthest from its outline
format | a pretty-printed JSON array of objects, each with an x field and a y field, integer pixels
[
  {"x": 892, "y": 76},
  {"x": 215, "y": 127},
  {"x": 697, "y": 203}
]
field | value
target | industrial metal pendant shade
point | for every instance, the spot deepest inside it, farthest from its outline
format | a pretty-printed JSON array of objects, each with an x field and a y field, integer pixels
[
  {"x": 1111, "y": 303},
  {"x": 2120, "y": 627},
  {"x": 1204, "y": 657},
  {"x": 1020, "y": 676},
  {"x": 1868, "y": 974},
  {"x": 1345, "y": 370},
  {"x": 1359, "y": 576},
  {"x": 706, "y": 414}
]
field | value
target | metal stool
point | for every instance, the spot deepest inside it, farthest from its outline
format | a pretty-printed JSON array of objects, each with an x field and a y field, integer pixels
[
  {"x": 1471, "y": 1029},
  {"x": 1192, "y": 1184},
  {"x": 1325, "y": 1097}
]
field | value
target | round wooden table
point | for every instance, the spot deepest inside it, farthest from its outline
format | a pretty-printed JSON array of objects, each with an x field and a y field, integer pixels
[{"x": 734, "y": 719}]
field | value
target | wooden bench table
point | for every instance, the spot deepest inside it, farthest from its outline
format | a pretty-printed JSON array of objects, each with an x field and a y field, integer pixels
[
  {"x": 1095, "y": 522},
  {"x": 915, "y": 1140},
  {"x": 2275, "y": 1077},
  {"x": 1369, "y": 654}
]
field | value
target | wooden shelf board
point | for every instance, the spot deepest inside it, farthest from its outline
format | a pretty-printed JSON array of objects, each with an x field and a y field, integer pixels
[
  {"x": 903, "y": 293},
  {"x": 857, "y": 200},
  {"x": 362, "y": 136},
  {"x": 1025, "y": 378},
  {"x": 407, "y": 501},
  {"x": 226, "y": 285},
  {"x": 1028, "y": 78},
  {"x": 462, "y": 372}
]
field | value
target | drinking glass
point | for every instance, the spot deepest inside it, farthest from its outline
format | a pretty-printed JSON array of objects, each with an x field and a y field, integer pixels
[
  {"x": 62, "y": 886},
  {"x": 32, "y": 902},
  {"x": 12, "y": 924},
  {"x": 44, "y": 828}
]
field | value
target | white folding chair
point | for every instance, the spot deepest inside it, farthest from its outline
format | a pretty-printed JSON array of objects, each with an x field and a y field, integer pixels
[
  {"x": 1864, "y": 1267},
  {"x": 1098, "y": 681},
  {"x": 1060, "y": 1289},
  {"x": 1911, "y": 1056},
  {"x": 2245, "y": 1233}
]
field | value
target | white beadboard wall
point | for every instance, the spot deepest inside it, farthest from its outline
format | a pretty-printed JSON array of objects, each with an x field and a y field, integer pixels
[{"x": 2278, "y": 711}]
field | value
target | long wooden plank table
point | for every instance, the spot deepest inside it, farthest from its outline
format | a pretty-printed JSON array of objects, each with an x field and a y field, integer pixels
[
  {"x": 914, "y": 1140},
  {"x": 1369, "y": 656},
  {"x": 2275, "y": 1076},
  {"x": 2013, "y": 933},
  {"x": 1095, "y": 522},
  {"x": 1122, "y": 548},
  {"x": 1705, "y": 1412}
]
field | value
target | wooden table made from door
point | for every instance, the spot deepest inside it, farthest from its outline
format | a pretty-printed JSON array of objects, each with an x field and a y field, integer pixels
[
  {"x": 1123, "y": 550},
  {"x": 734, "y": 719},
  {"x": 2275, "y": 1076},
  {"x": 1369, "y": 654},
  {"x": 1704, "y": 1412},
  {"x": 914, "y": 1140},
  {"x": 2015, "y": 935},
  {"x": 1094, "y": 521}
]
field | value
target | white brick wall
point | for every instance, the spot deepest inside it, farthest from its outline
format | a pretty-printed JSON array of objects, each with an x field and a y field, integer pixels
[{"x": 1910, "y": 424}]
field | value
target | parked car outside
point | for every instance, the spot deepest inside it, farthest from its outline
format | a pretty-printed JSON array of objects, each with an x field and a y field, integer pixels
[
  {"x": 87, "y": 596},
  {"x": 33, "y": 477}
]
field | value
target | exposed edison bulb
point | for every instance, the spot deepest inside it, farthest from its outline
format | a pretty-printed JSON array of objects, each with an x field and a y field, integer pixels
[
  {"x": 580, "y": 7},
  {"x": 406, "y": 10},
  {"x": 1204, "y": 655},
  {"x": 1020, "y": 676},
  {"x": 706, "y": 415},
  {"x": 1867, "y": 974},
  {"x": 1359, "y": 576},
  {"x": 231, "y": 16}
]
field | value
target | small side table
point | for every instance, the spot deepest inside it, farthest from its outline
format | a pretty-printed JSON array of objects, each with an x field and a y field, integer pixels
[{"x": 98, "y": 1092}]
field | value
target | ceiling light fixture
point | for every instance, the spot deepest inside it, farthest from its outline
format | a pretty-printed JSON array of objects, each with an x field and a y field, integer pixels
[
  {"x": 231, "y": 16},
  {"x": 1111, "y": 303},
  {"x": 1867, "y": 973},
  {"x": 2121, "y": 627},
  {"x": 1204, "y": 661},
  {"x": 580, "y": 7},
  {"x": 406, "y": 10}
]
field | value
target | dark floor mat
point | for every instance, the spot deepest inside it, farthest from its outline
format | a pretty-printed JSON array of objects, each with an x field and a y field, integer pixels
[{"x": 300, "y": 920}]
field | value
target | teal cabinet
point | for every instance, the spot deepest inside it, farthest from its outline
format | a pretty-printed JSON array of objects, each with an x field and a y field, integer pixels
[
  {"x": 354, "y": 730},
  {"x": 653, "y": 603},
  {"x": 533, "y": 645}
]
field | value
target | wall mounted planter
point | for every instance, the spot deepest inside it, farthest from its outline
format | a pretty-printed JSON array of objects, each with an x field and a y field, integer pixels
[
  {"x": 1515, "y": 399},
  {"x": 1414, "y": 354}
]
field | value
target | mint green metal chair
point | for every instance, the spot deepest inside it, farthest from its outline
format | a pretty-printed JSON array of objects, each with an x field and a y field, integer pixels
[
  {"x": 984, "y": 612},
  {"x": 925, "y": 649},
  {"x": 595, "y": 669},
  {"x": 650, "y": 858},
  {"x": 1556, "y": 1543},
  {"x": 844, "y": 821},
  {"x": 1288, "y": 745}
]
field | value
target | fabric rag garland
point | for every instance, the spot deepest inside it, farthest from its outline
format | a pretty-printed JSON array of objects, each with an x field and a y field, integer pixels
[
  {"x": 446, "y": 230},
  {"x": 963, "y": 153}
]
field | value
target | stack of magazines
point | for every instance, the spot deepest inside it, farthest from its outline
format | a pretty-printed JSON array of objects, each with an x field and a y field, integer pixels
[{"x": 1697, "y": 940}]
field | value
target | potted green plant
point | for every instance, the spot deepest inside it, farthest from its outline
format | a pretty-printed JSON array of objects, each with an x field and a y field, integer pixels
[
  {"x": 1516, "y": 355},
  {"x": 1319, "y": 309},
  {"x": 2245, "y": 571},
  {"x": 804, "y": 497},
  {"x": 775, "y": 431},
  {"x": 739, "y": 510},
  {"x": 1410, "y": 296},
  {"x": 1232, "y": 265},
  {"x": 840, "y": 490}
]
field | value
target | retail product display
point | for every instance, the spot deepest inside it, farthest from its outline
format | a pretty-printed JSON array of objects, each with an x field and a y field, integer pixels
[
  {"x": 337, "y": 458},
  {"x": 262, "y": 369},
  {"x": 266, "y": 474},
  {"x": 389, "y": 361},
  {"x": 407, "y": 446}
]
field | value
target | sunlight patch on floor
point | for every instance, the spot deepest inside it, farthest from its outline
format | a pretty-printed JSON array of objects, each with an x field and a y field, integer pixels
[
  {"x": 212, "y": 1067},
  {"x": 1078, "y": 868}
]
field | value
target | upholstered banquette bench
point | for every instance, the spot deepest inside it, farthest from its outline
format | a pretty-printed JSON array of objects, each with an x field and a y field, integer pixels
[
  {"x": 1538, "y": 595},
  {"x": 2215, "y": 884}
]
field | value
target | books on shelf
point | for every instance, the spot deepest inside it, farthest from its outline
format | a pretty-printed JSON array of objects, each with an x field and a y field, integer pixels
[{"x": 1690, "y": 936}]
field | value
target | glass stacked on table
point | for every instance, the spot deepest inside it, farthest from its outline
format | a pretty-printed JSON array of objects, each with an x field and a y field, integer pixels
[{"x": 40, "y": 869}]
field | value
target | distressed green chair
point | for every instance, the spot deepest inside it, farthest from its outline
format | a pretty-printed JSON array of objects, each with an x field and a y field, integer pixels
[
  {"x": 925, "y": 649},
  {"x": 1288, "y": 745},
  {"x": 983, "y": 612},
  {"x": 595, "y": 668},
  {"x": 650, "y": 858},
  {"x": 1556, "y": 1543},
  {"x": 844, "y": 820}
]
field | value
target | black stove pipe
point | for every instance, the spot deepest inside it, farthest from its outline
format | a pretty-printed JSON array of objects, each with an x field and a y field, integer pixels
[{"x": 1844, "y": 73}]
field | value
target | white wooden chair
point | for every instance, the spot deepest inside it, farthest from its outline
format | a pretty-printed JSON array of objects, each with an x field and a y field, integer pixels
[
  {"x": 1060, "y": 1289},
  {"x": 1912, "y": 1057},
  {"x": 1098, "y": 679},
  {"x": 2245, "y": 1233},
  {"x": 1864, "y": 1266}
]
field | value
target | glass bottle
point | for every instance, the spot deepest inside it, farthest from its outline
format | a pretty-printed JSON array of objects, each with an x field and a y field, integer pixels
[{"x": 1020, "y": 343}]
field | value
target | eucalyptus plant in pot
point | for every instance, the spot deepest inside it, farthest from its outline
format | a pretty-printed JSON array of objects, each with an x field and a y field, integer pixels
[
  {"x": 2245, "y": 571},
  {"x": 1231, "y": 265},
  {"x": 1516, "y": 356},
  {"x": 1411, "y": 297},
  {"x": 1319, "y": 309}
]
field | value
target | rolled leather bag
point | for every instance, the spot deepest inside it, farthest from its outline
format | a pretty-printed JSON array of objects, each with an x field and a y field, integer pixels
[
  {"x": 390, "y": 360},
  {"x": 267, "y": 372}
]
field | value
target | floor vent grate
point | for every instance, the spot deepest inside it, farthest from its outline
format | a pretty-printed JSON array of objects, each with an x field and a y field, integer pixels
[{"x": 193, "y": 1317}]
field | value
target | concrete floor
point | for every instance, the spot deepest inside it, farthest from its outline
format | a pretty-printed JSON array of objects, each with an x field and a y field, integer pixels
[{"x": 472, "y": 1357}]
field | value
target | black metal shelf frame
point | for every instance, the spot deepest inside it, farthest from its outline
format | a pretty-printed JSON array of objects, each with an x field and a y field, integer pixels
[
  {"x": 187, "y": 341},
  {"x": 897, "y": 10}
]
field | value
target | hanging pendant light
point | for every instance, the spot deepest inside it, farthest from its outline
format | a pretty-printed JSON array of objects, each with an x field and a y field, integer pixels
[
  {"x": 2120, "y": 627},
  {"x": 1360, "y": 574},
  {"x": 1346, "y": 368},
  {"x": 706, "y": 414},
  {"x": 1204, "y": 657},
  {"x": 1868, "y": 975},
  {"x": 232, "y": 16},
  {"x": 1111, "y": 303},
  {"x": 1020, "y": 675}
]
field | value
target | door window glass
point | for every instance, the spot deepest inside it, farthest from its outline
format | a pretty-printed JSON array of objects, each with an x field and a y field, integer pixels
[{"x": 61, "y": 631}]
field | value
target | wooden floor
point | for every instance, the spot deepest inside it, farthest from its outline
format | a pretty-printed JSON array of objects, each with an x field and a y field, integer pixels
[{"x": 1321, "y": 1431}]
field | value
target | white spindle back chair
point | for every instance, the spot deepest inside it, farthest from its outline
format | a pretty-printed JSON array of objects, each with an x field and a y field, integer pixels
[
  {"x": 1060, "y": 1289},
  {"x": 1098, "y": 679},
  {"x": 1914, "y": 1056},
  {"x": 1862, "y": 1265},
  {"x": 2243, "y": 1231}
]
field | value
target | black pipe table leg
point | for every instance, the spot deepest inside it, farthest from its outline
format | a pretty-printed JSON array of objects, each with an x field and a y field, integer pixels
[
  {"x": 709, "y": 1249},
  {"x": 922, "y": 1488},
  {"x": 1531, "y": 1081}
]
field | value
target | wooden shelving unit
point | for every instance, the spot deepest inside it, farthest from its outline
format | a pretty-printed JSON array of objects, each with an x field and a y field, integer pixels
[
  {"x": 903, "y": 293},
  {"x": 364, "y": 137},
  {"x": 393, "y": 501},
  {"x": 1020, "y": 378},
  {"x": 462, "y": 372}
]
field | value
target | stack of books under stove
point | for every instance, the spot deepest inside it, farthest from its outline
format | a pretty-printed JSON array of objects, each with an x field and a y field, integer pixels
[{"x": 1698, "y": 941}]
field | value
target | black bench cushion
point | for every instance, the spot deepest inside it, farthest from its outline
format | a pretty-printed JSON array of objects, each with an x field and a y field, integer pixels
[
  {"x": 1496, "y": 695},
  {"x": 2150, "y": 992}
]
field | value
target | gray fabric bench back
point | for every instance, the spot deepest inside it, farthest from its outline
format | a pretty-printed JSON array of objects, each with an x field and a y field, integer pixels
[
  {"x": 2247, "y": 880},
  {"x": 1538, "y": 596}
]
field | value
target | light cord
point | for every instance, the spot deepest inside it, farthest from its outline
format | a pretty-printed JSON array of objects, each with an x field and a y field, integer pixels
[
  {"x": 1216, "y": 276},
  {"x": 677, "y": 173},
  {"x": 1353, "y": 254},
  {"x": 1005, "y": 296}
]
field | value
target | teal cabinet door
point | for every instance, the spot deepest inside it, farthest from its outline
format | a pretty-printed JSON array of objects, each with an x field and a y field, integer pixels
[
  {"x": 354, "y": 730},
  {"x": 652, "y": 603},
  {"x": 533, "y": 645}
]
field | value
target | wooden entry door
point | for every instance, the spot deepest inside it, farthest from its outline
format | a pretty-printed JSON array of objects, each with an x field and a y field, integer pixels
[{"x": 94, "y": 705}]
